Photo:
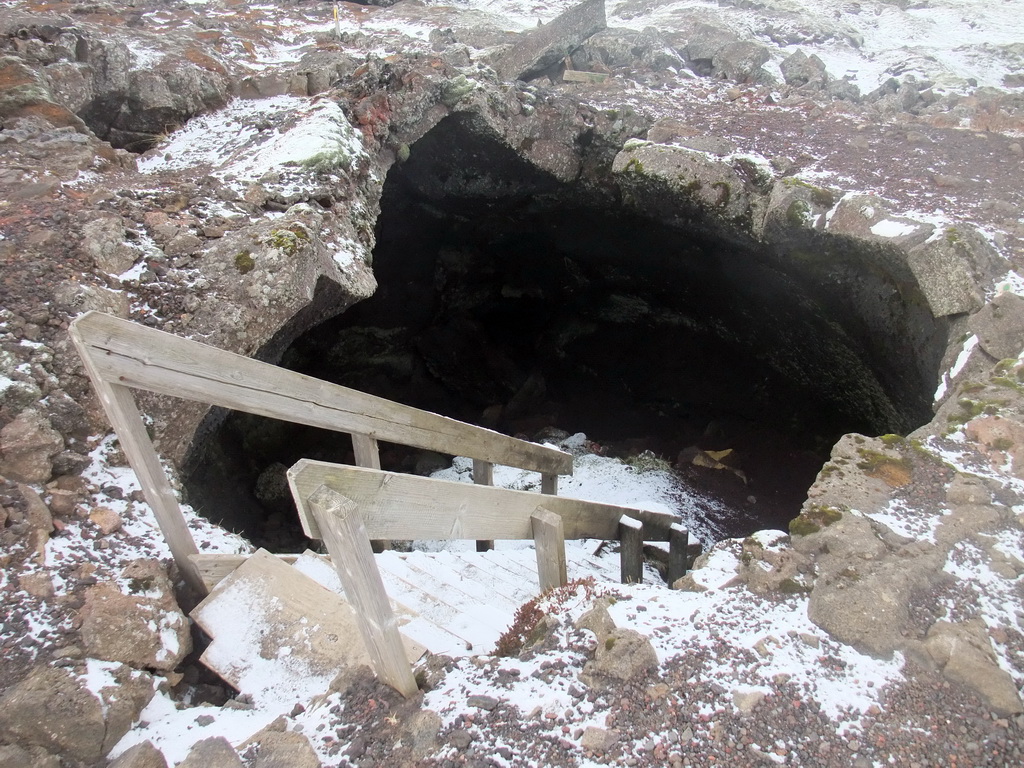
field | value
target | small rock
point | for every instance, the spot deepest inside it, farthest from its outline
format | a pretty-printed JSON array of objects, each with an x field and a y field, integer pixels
[
  {"x": 623, "y": 655},
  {"x": 598, "y": 739},
  {"x": 746, "y": 701},
  {"x": 63, "y": 503},
  {"x": 597, "y": 620},
  {"x": 483, "y": 702},
  {"x": 811, "y": 641},
  {"x": 106, "y": 519},
  {"x": 460, "y": 738}
]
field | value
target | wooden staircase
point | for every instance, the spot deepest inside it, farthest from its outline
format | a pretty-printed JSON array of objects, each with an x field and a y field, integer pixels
[{"x": 456, "y": 601}]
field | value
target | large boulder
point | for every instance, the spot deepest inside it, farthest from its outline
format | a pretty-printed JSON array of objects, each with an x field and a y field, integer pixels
[
  {"x": 143, "y": 755},
  {"x": 215, "y": 752},
  {"x": 13, "y": 756},
  {"x": 999, "y": 326},
  {"x": 144, "y": 628},
  {"x": 54, "y": 709},
  {"x": 545, "y": 46},
  {"x": 103, "y": 243},
  {"x": 799, "y": 69},
  {"x": 28, "y": 446},
  {"x": 283, "y": 749},
  {"x": 716, "y": 52},
  {"x": 687, "y": 181},
  {"x": 963, "y": 651}
]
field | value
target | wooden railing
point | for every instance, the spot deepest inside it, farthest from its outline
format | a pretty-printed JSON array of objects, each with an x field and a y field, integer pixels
[
  {"x": 119, "y": 356},
  {"x": 347, "y": 507}
]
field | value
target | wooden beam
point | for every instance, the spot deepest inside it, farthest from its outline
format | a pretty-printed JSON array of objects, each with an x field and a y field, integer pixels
[
  {"x": 346, "y": 539},
  {"x": 549, "y": 484},
  {"x": 679, "y": 541},
  {"x": 124, "y": 416},
  {"x": 396, "y": 506},
  {"x": 214, "y": 568},
  {"x": 366, "y": 451},
  {"x": 367, "y": 454},
  {"x": 578, "y": 76},
  {"x": 483, "y": 474},
  {"x": 549, "y": 540},
  {"x": 145, "y": 358},
  {"x": 631, "y": 550}
]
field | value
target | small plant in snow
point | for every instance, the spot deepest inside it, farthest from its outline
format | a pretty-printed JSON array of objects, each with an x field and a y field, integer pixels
[
  {"x": 525, "y": 626},
  {"x": 648, "y": 461}
]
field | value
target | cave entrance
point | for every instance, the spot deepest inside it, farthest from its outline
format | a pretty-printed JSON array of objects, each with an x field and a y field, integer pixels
[{"x": 514, "y": 301}]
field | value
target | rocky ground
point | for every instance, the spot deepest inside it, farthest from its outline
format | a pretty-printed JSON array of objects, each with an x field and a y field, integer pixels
[{"x": 901, "y": 583}]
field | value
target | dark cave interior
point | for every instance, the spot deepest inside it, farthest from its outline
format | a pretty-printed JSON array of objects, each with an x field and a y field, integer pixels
[{"x": 509, "y": 300}]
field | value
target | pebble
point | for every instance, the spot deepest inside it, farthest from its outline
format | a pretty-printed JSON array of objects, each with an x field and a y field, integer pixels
[
  {"x": 460, "y": 739},
  {"x": 480, "y": 701}
]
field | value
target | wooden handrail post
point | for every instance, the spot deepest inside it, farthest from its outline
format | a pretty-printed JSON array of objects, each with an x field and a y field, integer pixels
[
  {"x": 349, "y": 545},
  {"x": 549, "y": 540},
  {"x": 631, "y": 550},
  {"x": 366, "y": 451},
  {"x": 119, "y": 405},
  {"x": 367, "y": 454},
  {"x": 678, "y": 542},
  {"x": 483, "y": 474},
  {"x": 549, "y": 483}
]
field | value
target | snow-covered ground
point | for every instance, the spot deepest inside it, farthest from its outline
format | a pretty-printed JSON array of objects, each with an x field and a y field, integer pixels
[{"x": 781, "y": 629}]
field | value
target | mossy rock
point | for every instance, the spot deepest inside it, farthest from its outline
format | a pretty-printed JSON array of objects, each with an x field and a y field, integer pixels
[
  {"x": 896, "y": 472},
  {"x": 814, "y": 519},
  {"x": 288, "y": 240},
  {"x": 244, "y": 262}
]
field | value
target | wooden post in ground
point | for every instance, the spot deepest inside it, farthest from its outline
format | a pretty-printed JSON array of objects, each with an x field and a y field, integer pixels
[
  {"x": 679, "y": 540},
  {"x": 549, "y": 540},
  {"x": 483, "y": 474},
  {"x": 349, "y": 545},
  {"x": 120, "y": 407},
  {"x": 631, "y": 550},
  {"x": 549, "y": 483}
]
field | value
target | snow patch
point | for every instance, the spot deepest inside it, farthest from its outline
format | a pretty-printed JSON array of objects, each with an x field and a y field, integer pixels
[{"x": 889, "y": 228}]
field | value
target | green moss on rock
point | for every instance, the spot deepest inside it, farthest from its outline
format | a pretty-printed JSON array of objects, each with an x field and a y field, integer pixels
[
  {"x": 813, "y": 519},
  {"x": 244, "y": 262}
]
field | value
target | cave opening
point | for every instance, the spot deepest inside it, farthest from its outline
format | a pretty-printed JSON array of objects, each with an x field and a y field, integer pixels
[{"x": 512, "y": 300}]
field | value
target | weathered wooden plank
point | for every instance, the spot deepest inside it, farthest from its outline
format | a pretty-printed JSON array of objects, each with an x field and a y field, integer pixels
[
  {"x": 540, "y": 48},
  {"x": 679, "y": 541},
  {"x": 631, "y": 550},
  {"x": 396, "y": 506},
  {"x": 273, "y": 626},
  {"x": 119, "y": 405},
  {"x": 367, "y": 454},
  {"x": 577, "y": 76},
  {"x": 145, "y": 358},
  {"x": 549, "y": 540},
  {"x": 346, "y": 539},
  {"x": 483, "y": 474},
  {"x": 214, "y": 568},
  {"x": 366, "y": 451}
]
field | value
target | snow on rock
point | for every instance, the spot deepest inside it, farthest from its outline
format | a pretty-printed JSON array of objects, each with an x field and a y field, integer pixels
[{"x": 239, "y": 146}]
